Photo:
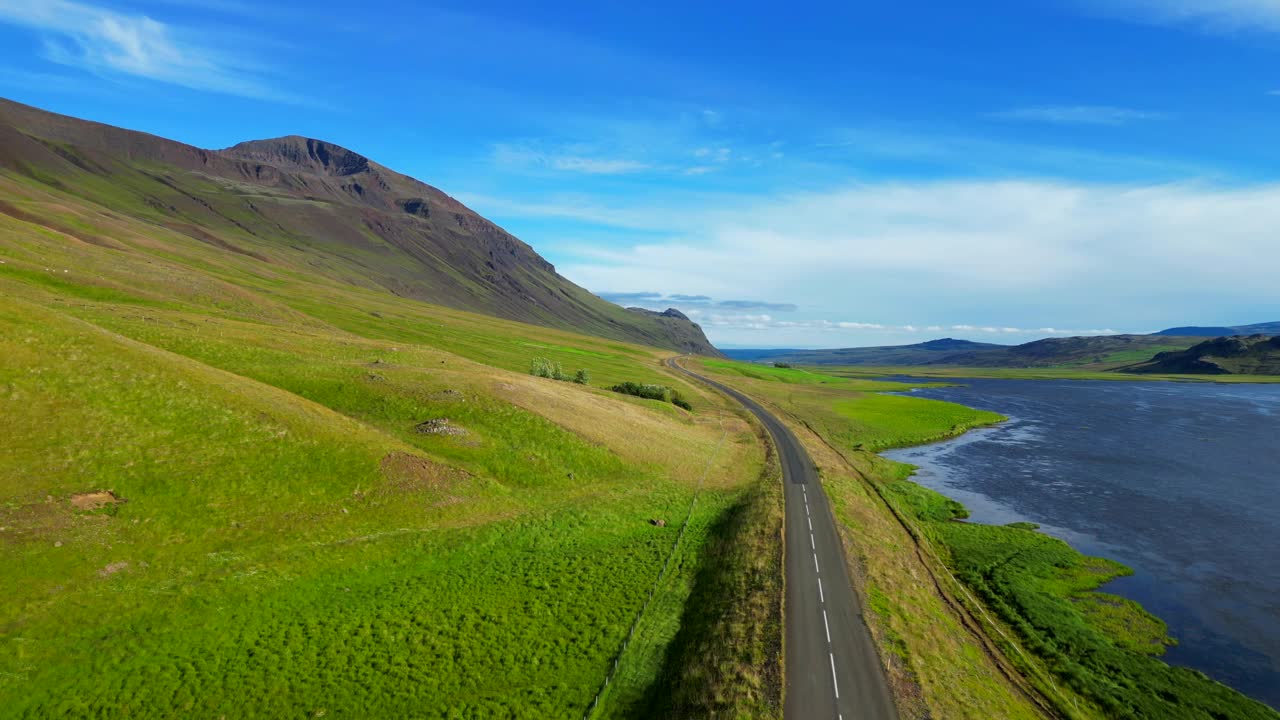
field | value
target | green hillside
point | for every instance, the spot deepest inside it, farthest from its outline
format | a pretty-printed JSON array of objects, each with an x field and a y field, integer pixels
[
  {"x": 302, "y": 206},
  {"x": 1252, "y": 355},
  {"x": 242, "y": 478}
]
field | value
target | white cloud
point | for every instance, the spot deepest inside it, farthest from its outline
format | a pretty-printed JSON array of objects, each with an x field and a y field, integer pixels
[
  {"x": 566, "y": 160},
  {"x": 597, "y": 166},
  {"x": 105, "y": 41},
  {"x": 1216, "y": 15},
  {"x": 1030, "y": 255},
  {"x": 768, "y": 322},
  {"x": 1076, "y": 115}
]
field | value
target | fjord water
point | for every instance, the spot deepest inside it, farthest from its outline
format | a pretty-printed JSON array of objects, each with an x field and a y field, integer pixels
[{"x": 1179, "y": 481}]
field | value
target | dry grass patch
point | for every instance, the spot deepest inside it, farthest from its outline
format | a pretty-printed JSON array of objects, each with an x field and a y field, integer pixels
[{"x": 95, "y": 500}]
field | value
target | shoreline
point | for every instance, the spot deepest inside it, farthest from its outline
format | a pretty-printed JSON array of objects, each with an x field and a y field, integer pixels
[
  {"x": 931, "y": 373},
  {"x": 1136, "y": 629}
]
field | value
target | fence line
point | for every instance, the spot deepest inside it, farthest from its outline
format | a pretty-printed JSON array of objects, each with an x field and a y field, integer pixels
[{"x": 653, "y": 589}]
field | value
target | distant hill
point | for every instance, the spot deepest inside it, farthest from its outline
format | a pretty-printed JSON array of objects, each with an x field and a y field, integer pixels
[
  {"x": 1267, "y": 328},
  {"x": 1251, "y": 355},
  {"x": 1113, "y": 350},
  {"x": 753, "y": 354},
  {"x": 926, "y": 353},
  {"x": 301, "y": 205}
]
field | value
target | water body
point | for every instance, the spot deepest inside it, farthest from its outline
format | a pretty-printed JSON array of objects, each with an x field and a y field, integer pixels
[{"x": 1179, "y": 481}]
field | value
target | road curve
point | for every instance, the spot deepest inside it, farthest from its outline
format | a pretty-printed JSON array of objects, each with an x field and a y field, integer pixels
[{"x": 832, "y": 670}]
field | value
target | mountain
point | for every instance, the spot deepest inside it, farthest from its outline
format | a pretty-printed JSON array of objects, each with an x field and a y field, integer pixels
[
  {"x": 1098, "y": 351},
  {"x": 754, "y": 354},
  {"x": 926, "y": 353},
  {"x": 1249, "y": 355},
  {"x": 304, "y": 205},
  {"x": 1267, "y": 328}
]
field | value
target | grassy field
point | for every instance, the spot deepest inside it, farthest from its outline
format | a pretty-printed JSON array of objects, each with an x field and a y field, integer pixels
[
  {"x": 1076, "y": 652},
  {"x": 232, "y": 488}
]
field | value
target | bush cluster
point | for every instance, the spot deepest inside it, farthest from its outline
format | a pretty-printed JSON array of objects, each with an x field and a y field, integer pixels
[
  {"x": 542, "y": 367},
  {"x": 653, "y": 392},
  {"x": 782, "y": 365}
]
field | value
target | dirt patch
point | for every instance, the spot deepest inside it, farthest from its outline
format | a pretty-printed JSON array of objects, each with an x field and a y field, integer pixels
[
  {"x": 411, "y": 473},
  {"x": 112, "y": 569},
  {"x": 95, "y": 500},
  {"x": 440, "y": 426}
]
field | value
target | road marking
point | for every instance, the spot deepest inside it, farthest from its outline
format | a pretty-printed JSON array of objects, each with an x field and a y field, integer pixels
[
  {"x": 806, "y": 519},
  {"x": 826, "y": 626},
  {"x": 811, "y": 545},
  {"x": 834, "y": 683},
  {"x": 821, "y": 598},
  {"x": 815, "y": 563}
]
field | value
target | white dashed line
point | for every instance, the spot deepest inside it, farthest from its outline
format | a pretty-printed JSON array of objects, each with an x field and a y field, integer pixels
[
  {"x": 826, "y": 627},
  {"x": 812, "y": 546},
  {"x": 834, "y": 683},
  {"x": 810, "y": 524},
  {"x": 815, "y": 563},
  {"x": 821, "y": 598}
]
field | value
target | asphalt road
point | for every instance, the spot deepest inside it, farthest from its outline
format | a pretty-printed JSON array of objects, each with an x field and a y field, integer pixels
[{"x": 832, "y": 670}]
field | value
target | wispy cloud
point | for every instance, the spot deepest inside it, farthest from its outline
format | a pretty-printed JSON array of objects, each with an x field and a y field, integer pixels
[
  {"x": 1076, "y": 115},
  {"x": 107, "y": 42},
  {"x": 692, "y": 303},
  {"x": 768, "y": 322},
  {"x": 998, "y": 156},
  {"x": 570, "y": 159},
  {"x": 1214, "y": 15}
]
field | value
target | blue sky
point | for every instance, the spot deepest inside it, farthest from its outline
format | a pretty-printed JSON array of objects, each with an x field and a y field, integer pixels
[{"x": 808, "y": 175}]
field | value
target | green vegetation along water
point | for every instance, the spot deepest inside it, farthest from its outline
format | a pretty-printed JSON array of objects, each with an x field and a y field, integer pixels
[{"x": 1172, "y": 480}]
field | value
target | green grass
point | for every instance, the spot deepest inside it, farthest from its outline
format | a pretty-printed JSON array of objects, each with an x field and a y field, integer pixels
[
  {"x": 798, "y": 376},
  {"x": 877, "y": 422},
  {"x": 289, "y": 544}
]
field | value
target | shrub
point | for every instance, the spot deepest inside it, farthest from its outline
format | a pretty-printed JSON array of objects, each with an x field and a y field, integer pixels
[
  {"x": 582, "y": 377},
  {"x": 678, "y": 400},
  {"x": 782, "y": 365},
  {"x": 651, "y": 392},
  {"x": 541, "y": 367}
]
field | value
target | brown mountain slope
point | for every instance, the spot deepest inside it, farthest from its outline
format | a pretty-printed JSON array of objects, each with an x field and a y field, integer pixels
[{"x": 321, "y": 209}]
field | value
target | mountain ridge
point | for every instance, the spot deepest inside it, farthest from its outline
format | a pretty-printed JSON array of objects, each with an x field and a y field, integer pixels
[
  {"x": 1264, "y": 328},
  {"x": 323, "y": 208},
  {"x": 1048, "y": 352}
]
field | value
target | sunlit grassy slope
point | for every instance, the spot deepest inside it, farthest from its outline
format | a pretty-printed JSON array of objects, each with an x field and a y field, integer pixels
[{"x": 216, "y": 500}]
